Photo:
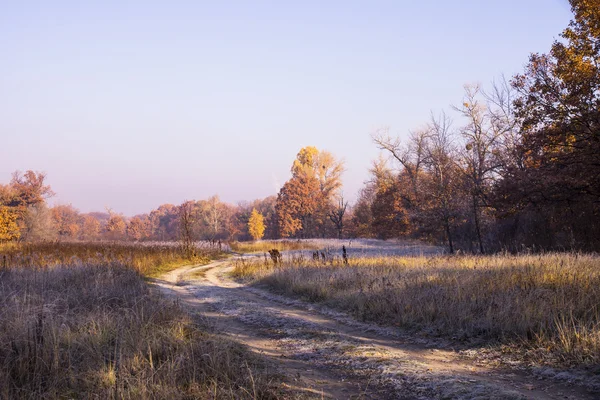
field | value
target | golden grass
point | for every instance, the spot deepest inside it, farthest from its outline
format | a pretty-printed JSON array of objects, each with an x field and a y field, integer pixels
[
  {"x": 263, "y": 246},
  {"x": 550, "y": 302},
  {"x": 149, "y": 260},
  {"x": 94, "y": 329}
]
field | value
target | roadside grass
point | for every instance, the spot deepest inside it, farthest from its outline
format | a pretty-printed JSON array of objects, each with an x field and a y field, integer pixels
[
  {"x": 150, "y": 260},
  {"x": 79, "y": 321},
  {"x": 547, "y": 303}
]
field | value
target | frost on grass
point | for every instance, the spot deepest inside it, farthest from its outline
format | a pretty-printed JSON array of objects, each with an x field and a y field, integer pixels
[{"x": 330, "y": 348}]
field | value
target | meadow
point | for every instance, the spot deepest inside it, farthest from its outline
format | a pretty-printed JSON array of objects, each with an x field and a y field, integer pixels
[
  {"x": 150, "y": 259},
  {"x": 79, "y": 320},
  {"x": 262, "y": 246},
  {"x": 547, "y": 305}
]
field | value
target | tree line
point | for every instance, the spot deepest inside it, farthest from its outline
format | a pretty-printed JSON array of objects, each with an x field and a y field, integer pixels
[
  {"x": 26, "y": 215},
  {"x": 520, "y": 166}
]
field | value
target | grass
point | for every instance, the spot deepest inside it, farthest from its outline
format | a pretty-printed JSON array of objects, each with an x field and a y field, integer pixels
[
  {"x": 263, "y": 246},
  {"x": 550, "y": 303},
  {"x": 149, "y": 260},
  {"x": 80, "y": 321}
]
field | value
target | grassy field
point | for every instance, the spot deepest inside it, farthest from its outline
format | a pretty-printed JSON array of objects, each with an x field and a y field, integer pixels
[
  {"x": 549, "y": 304},
  {"x": 363, "y": 247},
  {"x": 263, "y": 246},
  {"x": 79, "y": 321},
  {"x": 150, "y": 260}
]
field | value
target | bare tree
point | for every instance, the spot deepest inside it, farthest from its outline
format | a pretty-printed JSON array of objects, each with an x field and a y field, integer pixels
[
  {"x": 480, "y": 162},
  {"x": 439, "y": 160},
  {"x": 38, "y": 224},
  {"x": 213, "y": 215},
  {"x": 336, "y": 215},
  {"x": 187, "y": 219},
  {"x": 410, "y": 155}
]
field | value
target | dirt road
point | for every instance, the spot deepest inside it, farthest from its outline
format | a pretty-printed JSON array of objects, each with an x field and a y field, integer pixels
[{"x": 325, "y": 354}]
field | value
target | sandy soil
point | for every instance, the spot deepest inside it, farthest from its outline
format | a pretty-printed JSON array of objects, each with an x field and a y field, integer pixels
[{"x": 326, "y": 354}]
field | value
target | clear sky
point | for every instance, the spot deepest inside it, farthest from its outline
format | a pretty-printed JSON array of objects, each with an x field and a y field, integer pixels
[{"x": 132, "y": 104}]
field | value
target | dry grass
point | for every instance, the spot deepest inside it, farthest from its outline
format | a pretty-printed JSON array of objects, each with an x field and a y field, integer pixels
[
  {"x": 95, "y": 330},
  {"x": 263, "y": 246},
  {"x": 548, "y": 302},
  {"x": 148, "y": 259}
]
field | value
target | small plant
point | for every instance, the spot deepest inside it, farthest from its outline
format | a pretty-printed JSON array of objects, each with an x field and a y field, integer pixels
[{"x": 275, "y": 256}]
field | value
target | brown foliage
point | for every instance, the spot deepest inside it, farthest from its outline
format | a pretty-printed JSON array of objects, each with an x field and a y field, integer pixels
[
  {"x": 67, "y": 221},
  {"x": 297, "y": 202}
]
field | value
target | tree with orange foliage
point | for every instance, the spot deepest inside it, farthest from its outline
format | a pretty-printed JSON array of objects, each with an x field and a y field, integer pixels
[
  {"x": 555, "y": 181},
  {"x": 67, "y": 221},
  {"x": 305, "y": 201},
  {"x": 297, "y": 202},
  {"x": 390, "y": 218},
  {"x": 29, "y": 189},
  {"x": 22, "y": 193},
  {"x": 115, "y": 226},
  {"x": 136, "y": 229},
  {"x": 90, "y": 228}
]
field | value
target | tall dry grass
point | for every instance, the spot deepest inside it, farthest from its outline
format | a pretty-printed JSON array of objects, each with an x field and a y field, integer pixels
[
  {"x": 93, "y": 328},
  {"x": 550, "y": 302},
  {"x": 263, "y": 246},
  {"x": 148, "y": 259}
]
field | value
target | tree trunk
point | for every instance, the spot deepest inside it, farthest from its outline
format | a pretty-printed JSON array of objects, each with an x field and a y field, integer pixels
[
  {"x": 449, "y": 236},
  {"x": 477, "y": 227}
]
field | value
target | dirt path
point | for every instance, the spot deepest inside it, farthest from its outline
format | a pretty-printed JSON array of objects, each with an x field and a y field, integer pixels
[{"x": 324, "y": 354}]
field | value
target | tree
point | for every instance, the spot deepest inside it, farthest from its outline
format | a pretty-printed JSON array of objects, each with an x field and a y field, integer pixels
[
  {"x": 390, "y": 218},
  {"x": 90, "y": 228},
  {"x": 164, "y": 222},
  {"x": 442, "y": 181},
  {"x": 256, "y": 225},
  {"x": 136, "y": 229},
  {"x": 115, "y": 226},
  {"x": 266, "y": 207},
  {"x": 213, "y": 218},
  {"x": 38, "y": 223},
  {"x": 9, "y": 229},
  {"x": 558, "y": 112},
  {"x": 67, "y": 221},
  {"x": 304, "y": 202},
  {"x": 187, "y": 219},
  {"x": 336, "y": 215},
  {"x": 323, "y": 166},
  {"x": 361, "y": 216},
  {"x": 29, "y": 189},
  {"x": 479, "y": 159},
  {"x": 23, "y": 192},
  {"x": 297, "y": 202},
  {"x": 409, "y": 156}
]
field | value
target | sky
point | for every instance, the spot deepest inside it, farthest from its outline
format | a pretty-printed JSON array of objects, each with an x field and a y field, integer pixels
[{"x": 133, "y": 104}]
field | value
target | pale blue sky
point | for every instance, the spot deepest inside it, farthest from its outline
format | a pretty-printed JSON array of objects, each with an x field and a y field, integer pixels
[{"x": 131, "y": 104}]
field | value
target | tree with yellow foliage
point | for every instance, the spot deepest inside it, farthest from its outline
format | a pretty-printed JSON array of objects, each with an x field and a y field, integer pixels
[
  {"x": 256, "y": 225},
  {"x": 9, "y": 229}
]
